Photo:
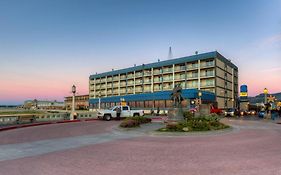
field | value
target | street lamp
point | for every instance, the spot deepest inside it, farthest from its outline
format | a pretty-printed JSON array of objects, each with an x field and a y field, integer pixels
[
  {"x": 199, "y": 103},
  {"x": 199, "y": 95},
  {"x": 73, "y": 102},
  {"x": 99, "y": 98}
]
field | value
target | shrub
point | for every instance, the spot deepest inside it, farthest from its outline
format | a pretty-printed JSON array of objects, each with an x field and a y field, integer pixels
[
  {"x": 187, "y": 115},
  {"x": 202, "y": 123},
  {"x": 129, "y": 123},
  {"x": 140, "y": 119}
]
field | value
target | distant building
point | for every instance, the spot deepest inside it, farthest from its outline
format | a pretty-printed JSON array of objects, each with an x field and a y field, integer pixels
[
  {"x": 43, "y": 104},
  {"x": 81, "y": 102},
  {"x": 150, "y": 85}
]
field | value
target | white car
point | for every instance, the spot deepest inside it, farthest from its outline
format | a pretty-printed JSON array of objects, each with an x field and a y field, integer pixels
[{"x": 108, "y": 114}]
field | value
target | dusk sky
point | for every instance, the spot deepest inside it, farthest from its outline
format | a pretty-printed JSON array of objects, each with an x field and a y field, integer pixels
[{"x": 46, "y": 46}]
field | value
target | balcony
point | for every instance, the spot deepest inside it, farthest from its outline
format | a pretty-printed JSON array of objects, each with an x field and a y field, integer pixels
[
  {"x": 180, "y": 77},
  {"x": 193, "y": 76},
  {"x": 130, "y": 76},
  {"x": 116, "y": 79},
  {"x": 167, "y": 70},
  {"x": 192, "y": 66},
  {"x": 123, "y": 84},
  {"x": 207, "y": 64},
  {"x": 109, "y": 78},
  {"x": 157, "y": 72},
  {"x": 123, "y": 77},
  {"x": 156, "y": 88},
  {"x": 167, "y": 79},
  {"x": 204, "y": 85},
  {"x": 180, "y": 68},
  {"x": 207, "y": 74},
  {"x": 147, "y": 89},
  {"x": 138, "y": 89},
  {"x": 130, "y": 83},
  {"x": 102, "y": 87},
  {"x": 146, "y": 81},
  {"x": 147, "y": 73},
  {"x": 138, "y": 74}
]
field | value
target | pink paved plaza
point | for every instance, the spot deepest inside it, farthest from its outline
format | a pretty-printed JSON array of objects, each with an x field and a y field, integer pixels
[{"x": 252, "y": 147}]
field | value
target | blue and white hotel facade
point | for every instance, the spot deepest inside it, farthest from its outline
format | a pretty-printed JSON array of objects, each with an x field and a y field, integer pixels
[{"x": 150, "y": 85}]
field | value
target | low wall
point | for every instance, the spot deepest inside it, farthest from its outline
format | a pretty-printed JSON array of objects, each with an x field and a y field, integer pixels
[{"x": 31, "y": 118}]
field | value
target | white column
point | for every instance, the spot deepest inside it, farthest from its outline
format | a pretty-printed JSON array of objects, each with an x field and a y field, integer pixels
[
  {"x": 73, "y": 107},
  {"x": 106, "y": 86},
  {"x": 152, "y": 81},
  {"x": 134, "y": 82},
  {"x": 119, "y": 84},
  {"x": 232, "y": 95},
  {"x": 199, "y": 74},
  {"x": 173, "y": 75},
  {"x": 94, "y": 88}
]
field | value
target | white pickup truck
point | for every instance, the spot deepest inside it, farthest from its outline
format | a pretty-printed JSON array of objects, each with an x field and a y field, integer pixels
[{"x": 108, "y": 114}]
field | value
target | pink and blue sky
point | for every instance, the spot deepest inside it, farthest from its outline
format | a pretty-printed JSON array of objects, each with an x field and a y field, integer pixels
[{"x": 48, "y": 45}]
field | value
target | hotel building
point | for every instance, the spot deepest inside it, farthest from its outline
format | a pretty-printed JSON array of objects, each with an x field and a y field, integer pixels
[{"x": 150, "y": 85}]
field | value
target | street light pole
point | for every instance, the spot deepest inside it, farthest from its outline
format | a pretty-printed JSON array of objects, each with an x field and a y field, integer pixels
[
  {"x": 199, "y": 95},
  {"x": 73, "y": 102},
  {"x": 99, "y": 99}
]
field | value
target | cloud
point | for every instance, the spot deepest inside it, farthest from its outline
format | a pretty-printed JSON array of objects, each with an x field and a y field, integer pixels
[
  {"x": 274, "y": 69},
  {"x": 276, "y": 39}
]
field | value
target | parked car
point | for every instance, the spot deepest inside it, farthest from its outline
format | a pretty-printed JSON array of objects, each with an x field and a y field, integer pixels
[
  {"x": 216, "y": 111},
  {"x": 126, "y": 111},
  {"x": 229, "y": 112},
  {"x": 261, "y": 114},
  {"x": 252, "y": 112}
]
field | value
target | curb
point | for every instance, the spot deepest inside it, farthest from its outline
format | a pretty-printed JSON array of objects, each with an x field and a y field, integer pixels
[{"x": 43, "y": 123}]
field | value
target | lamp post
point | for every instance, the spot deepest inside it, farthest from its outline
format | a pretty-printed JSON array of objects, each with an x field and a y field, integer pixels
[
  {"x": 265, "y": 91},
  {"x": 99, "y": 99},
  {"x": 199, "y": 95},
  {"x": 73, "y": 102}
]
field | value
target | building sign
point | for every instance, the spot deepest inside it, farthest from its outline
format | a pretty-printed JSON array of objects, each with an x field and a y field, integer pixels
[
  {"x": 244, "y": 91},
  {"x": 243, "y": 94}
]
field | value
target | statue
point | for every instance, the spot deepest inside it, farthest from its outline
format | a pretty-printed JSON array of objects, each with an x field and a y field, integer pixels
[
  {"x": 176, "y": 96},
  {"x": 176, "y": 113}
]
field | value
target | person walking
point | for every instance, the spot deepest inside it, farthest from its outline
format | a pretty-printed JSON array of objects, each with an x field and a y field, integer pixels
[
  {"x": 118, "y": 113},
  {"x": 158, "y": 111}
]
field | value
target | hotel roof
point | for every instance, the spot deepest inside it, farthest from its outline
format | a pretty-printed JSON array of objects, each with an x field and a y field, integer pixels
[{"x": 180, "y": 60}]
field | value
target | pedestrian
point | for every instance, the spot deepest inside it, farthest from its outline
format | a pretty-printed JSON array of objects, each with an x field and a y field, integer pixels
[
  {"x": 152, "y": 112},
  {"x": 158, "y": 111},
  {"x": 118, "y": 113},
  {"x": 279, "y": 111}
]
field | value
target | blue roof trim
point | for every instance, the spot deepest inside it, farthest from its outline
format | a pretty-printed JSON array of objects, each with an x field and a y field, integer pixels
[
  {"x": 163, "y": 95},
  {"x": 202, "y": 56}
]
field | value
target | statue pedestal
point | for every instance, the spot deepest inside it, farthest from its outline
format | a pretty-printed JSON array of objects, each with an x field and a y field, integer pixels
[{"x": 175, "y": 114}]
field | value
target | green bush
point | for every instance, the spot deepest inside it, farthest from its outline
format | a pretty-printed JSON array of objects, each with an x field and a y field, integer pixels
[
  {"x": 187, "y": 115},
  {"x": 129, "y": 123},
  {"x": 203, "y": 123},
  {"x": 140, "y": 119}
]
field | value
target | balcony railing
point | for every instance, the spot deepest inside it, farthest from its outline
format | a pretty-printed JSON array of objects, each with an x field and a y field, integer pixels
[
  {"x": 208, "y": 64},
  {"x": 192, "y": 76},
  {"x": 208, "y": 74},
  {"x": 194, "y": 66}
]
